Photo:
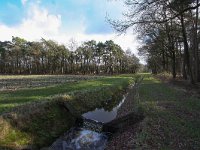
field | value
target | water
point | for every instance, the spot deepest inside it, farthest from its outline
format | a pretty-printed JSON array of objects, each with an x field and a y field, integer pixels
[
  {"x": 81, "y": 139},
  {"x": 102, "y": 115},
  {"x": 88, "y": 133}
]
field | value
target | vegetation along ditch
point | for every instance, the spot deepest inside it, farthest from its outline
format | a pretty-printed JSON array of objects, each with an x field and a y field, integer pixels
[{"x": 34, "y": 118}]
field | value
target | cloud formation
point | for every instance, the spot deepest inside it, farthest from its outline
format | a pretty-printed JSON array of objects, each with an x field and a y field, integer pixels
[
  {"x": 39, "y": 23},
  {"x": 24, "y": 2}
]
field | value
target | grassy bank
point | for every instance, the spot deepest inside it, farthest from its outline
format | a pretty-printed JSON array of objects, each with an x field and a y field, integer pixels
[
  {"x": 171, "y": 117},
  {"x": 35, "y": 117},
  {"x": 14, "y": 90}
]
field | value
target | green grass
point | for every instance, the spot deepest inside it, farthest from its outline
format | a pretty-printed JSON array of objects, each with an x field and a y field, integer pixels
[
  {"x": 35, "y": 129},
  {"x": 171, "y": 117},
  {"x": 10, "y": 99},
  {"x": 37, "y": 117}
]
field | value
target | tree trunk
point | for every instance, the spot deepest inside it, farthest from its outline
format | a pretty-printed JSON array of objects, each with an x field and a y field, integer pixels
[
  {"x": 196, "y": 56},
  {"x": 174, "y": 65},
  {"x": 186, "y": 51}
]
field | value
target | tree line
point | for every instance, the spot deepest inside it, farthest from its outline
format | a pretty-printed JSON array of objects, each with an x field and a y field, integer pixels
[
  {"x": 20, "y": 56},
  {"x": 169, "y": 31}
]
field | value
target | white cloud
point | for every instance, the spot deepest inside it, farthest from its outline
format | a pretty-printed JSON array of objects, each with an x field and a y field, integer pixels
[
  {"x": 24, "y": 1},
  {"x": 40, "y": 23},
  {"x": 37, "y": 24}
]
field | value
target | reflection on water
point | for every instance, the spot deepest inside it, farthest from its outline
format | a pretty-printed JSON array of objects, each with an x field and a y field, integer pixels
[
  {"x": 81, "y": 139},
  {"x": 85, "y": 138},
  {"x": 102, "y": 114}
]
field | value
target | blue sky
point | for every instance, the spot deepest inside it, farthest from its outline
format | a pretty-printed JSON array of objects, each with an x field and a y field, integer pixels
[{"x": 62, "y": 20}]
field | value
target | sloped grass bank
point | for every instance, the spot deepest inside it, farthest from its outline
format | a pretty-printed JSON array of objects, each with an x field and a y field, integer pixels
[
  {"x": 38, "y": 122},
  {"x": 11, "y": 99},
  {"x": 171, "y": 117},
  {"x": 33, "y": 125}
]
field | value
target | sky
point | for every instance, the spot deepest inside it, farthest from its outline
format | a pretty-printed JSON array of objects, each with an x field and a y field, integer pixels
[{"x": 63, "y": 20}]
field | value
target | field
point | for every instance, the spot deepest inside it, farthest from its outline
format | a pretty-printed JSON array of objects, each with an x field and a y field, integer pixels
[
  {"x": 35, "y": 116},
  {"x": 17, "y": 90},
  {"x": 13, "y": 82},
  {"x": 171, "y": 117}
]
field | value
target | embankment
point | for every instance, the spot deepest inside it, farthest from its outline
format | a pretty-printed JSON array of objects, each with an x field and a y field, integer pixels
[{"x": 38, "y": 124}]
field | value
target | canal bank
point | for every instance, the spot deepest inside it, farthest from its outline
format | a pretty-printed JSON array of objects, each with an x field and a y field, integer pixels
[
  {"x": 95, "y": 129},
  {"x": 38, "y": 124}
]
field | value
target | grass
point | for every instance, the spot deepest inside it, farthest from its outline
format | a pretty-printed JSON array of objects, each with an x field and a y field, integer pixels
[
  {"x": 36, "y": 128},
  {"x": 172, "y": 117},
  {"x": 10, "y": 99},
  {"x": 36, "y": 116}
]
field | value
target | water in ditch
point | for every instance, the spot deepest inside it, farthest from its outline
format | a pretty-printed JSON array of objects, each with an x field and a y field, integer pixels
[
  {"x": 103, "y": 115},
  {"x": 88, "y": 135},
  {"x": 81, "y": 139}
]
